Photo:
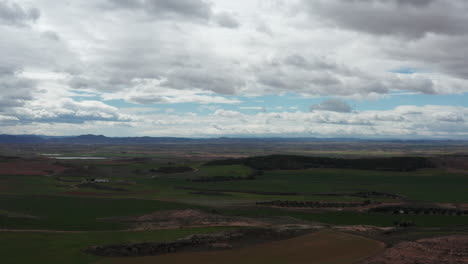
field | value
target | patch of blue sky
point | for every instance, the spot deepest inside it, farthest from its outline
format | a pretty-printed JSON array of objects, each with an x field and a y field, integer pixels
[
  {"x": 84, "y": 96},
  {"x": 406, "y": 70},
  {"x": 176, "y": 108},
  {"x": 407, "y": 98},
  {"x": 276, "y": 103},
  {"x": 293, "y": 103},
  {"x": 247, "y": 105}
]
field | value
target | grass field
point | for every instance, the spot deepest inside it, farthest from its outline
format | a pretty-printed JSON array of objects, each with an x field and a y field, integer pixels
[
  {"x": 424, "y": 185},
  {"x": 80, "y": 209},
  {"x": 352, "y": 218},
  {"x": 326, "y": 247},
  {"x": 57, "y": 201},
  {"x": 75, "y": 213},
  {"x": 430, "y": 185},
  {"x": 60, "y": 248}
]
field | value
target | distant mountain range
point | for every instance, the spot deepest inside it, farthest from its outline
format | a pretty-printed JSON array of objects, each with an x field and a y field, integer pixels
[{"x": 99, "y": 139}]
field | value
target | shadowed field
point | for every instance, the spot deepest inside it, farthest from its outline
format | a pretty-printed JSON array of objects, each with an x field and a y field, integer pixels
[
  {"x": 326, "y": 247},
  {"x": 55, "y": 247}
]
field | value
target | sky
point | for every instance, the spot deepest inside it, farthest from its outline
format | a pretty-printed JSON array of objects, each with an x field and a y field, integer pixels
[{"x": 244, "y": 68}]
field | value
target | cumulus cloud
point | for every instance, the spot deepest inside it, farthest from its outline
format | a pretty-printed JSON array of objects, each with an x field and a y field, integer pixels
[
  {"x": 411, "y": 19},
  {"x": 334, "y": 105},
  {"x": 15, "y": 90},
  {"x": 6, "y": 119},
  {"x": 322, "y": 76},
  {"x": 402, "y": 122},
  {"x": 227, "y": 20},
  {"x": 14, "y": 14},
  {"x": 436, "y": 29},
  {"x": 151, "y": 91},
  {"x": 167, "y": 9},
  {"x": 149, "y": 52},
  {"x": 260, "y": 108},
  {"x": 241, "y": 64},
  {"x": 67, "y": 111}
]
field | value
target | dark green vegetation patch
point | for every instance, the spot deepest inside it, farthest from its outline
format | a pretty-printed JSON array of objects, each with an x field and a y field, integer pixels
[
  {"x": 289, "y": 162},
  {"x": 76, "y": 213}
]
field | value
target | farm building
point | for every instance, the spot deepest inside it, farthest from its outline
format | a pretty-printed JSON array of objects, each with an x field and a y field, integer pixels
[{"x": 94, "y": 180}]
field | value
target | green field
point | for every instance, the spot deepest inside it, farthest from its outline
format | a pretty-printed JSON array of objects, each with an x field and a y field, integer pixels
[
  {"x": 54, "y": 216},
  {"x": 76, "y": 213},
  {"x": 59, "y": 248}
]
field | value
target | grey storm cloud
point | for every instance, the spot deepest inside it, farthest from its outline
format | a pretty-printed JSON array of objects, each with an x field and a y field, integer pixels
[
  {"x": 157, "y": 58},
  {"x": 14, "y": 14},
  {"x": 442, "y": 54},
  {"x": 181, "y": 10},
  {"x": 227, "y": 20},
  {"x": 316, "y": 76},
  {"x": 333, "y": 105},
  {"x": 194, "y": 73},
  {"x": 207, "y": 78},
  {"x": 315, "y": 63},
  {"x": 437, "y": 29},
  {"x": 162, "y": 9},
  {"x": 15, "y": 90},
  {"x": 408, "y": 18}
]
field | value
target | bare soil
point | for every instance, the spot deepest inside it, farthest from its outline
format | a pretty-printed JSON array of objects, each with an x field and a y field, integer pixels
[
  {"x": 453, "y": 163},
  {"x": 446, "y": 250},
  {"x": 30, "y": 167},
  {"x": 78, "y": 193},
  {"x": 186, "y": 218}
]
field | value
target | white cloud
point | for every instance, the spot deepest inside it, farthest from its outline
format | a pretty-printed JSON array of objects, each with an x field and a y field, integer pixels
[
  {"x": 260, "y": 108},
  {"x": 400, "y": 122},
  {"x": 334, "y": 105},
  {"x": 67, "y": 111},
  {"x": 149, "y": 52},
  {"x": 151, "y": 91}
]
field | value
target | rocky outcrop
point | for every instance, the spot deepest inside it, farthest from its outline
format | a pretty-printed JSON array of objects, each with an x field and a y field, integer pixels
[
  {"x": 232, "y": 239},
  {"x": 447, "y": 250}
]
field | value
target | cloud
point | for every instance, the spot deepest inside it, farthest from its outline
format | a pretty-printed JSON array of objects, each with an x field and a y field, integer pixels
[
  {"x": 439, "y": 37},
  {"x": 252, "y": 108},
  {"x": 334, "y": 105},
  {"x": 227, "y": 20},
  {"x": 145, "y": 52},
  {"x": 67, "y": 111},
  {"x": 402, "y": 122},
  {"x": 196, "y": 10},
  {"x": 227, "y": 113},
  {"x": 6, "y": 119},
  {"x": 151, "y": 91},
  {"x": 13, "y": 14},
  {"x": 262, "y": 27},
  {"x": 27, "y": 51},
  {"x": 409, "y": 19},
  {"x": 441, "y": 54},
  {"x": 15, "y": 90},
  {"x": 198, "y": 56}
]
